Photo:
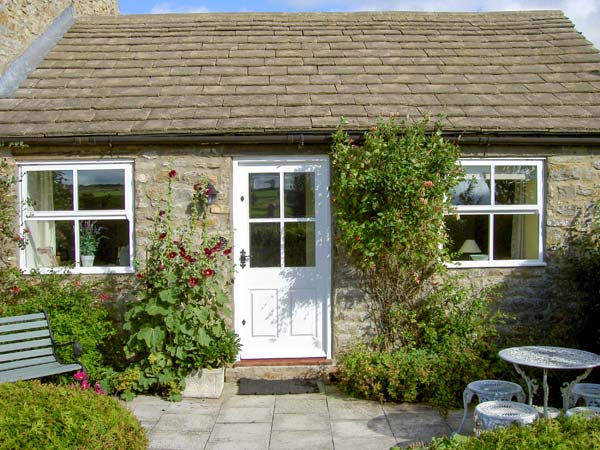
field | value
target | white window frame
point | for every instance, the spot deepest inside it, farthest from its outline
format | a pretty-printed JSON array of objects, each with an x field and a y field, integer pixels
[
  {"x": 492, "y": 209},
  {"x": 27, "y": 213}
]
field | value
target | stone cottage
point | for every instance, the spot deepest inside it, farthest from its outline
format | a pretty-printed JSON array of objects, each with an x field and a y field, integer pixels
[{"x": 251, "y": 101}]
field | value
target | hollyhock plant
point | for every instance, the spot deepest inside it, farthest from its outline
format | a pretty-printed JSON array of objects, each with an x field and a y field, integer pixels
[{"x": 179, "y": 323}]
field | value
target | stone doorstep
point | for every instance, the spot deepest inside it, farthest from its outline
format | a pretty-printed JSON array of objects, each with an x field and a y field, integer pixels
[{"x": 233, "y": 374}]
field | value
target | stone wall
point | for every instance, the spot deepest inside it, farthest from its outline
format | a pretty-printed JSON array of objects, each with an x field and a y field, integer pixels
[
  {"x": 572, "y": 184},
  {"x": 22, "y": 21}
]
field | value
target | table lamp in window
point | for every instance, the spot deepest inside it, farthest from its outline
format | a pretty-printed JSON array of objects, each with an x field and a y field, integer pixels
[{"x": 471, "y": 249}]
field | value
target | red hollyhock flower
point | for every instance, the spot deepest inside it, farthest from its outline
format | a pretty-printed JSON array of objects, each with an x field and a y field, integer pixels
[
  {"x": 208, "y": 251},
  {"x": 227, "y": 251},
  {"x": 162, "y": 235},
  {"x": 139, "y": 275},
  {"x": 193, "y": 281},
  {"x": 208, "y": 272},
  {"x": 172, "y": 255},
  {"x": 161, "y": 213},
  {"x": 172, "y": 173},
  {"x": 104, "y": 297},
  {"x": 15, "y": 290}
]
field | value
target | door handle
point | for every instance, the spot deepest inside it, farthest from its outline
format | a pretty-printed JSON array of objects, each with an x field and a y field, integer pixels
[{"x": 243, "y": 258}]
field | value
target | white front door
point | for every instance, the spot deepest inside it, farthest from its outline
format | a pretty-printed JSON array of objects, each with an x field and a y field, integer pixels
[{"x": 282, "y": 248}]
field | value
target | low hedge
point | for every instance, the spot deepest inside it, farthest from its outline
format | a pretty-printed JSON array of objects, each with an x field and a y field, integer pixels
[
  {"x": 565, "y": 433},
  {"x": 35, "y": 416}
]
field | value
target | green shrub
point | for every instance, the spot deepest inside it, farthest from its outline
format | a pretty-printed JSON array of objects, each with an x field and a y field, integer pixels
[
  {"x": 565, "y": 433},
  {"x": 75, "y": 309},
  {"x": 36, "y": 416},
  {"x": 410, "y": 375}
]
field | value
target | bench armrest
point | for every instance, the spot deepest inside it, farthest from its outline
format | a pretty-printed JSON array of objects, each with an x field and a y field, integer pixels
[{"x": 77, "y": 348}]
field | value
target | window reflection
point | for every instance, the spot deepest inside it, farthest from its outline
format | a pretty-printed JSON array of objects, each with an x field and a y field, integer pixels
[
  {"x": 299, "y": 244},
  {"x": 50, "y": 190},
  {"x": 101, "y": 189},
  {"x": 516, "y": 185},
  {"x": 469, "y": 236},
  {"x": 475, "y": 188},
  {"x": 264, "y": 195},
  {"x": 265, "y": 245},
  {"x": 299, "y": 194}
]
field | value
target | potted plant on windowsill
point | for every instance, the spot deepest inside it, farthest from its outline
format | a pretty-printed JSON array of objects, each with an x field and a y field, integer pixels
[
  {"x": 89, "y": 238},
  {"x": 180, "y": 339}
]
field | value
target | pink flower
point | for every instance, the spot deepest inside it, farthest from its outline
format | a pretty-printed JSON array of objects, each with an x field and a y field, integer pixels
[
  {"x": 80, "y": 376},
  {"x": 98, "y": 389},
  {"x": 193, "y": 281},
  {"x": 172, "y": 173},
  {"x": 85, "y": 384},
  {"x": 77, "y": 283},
  {"x": 208, "y": 272},
  {"x": 104, "y": 297},
  {"x": 161, "y": 267},
  {"x": 428, "y": 184}
]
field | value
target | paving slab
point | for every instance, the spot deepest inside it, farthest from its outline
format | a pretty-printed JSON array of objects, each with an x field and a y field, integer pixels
[{"x": 329, "y": 420}]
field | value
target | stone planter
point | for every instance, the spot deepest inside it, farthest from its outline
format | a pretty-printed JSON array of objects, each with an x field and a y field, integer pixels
[
  {"x": 87, "y": 260},
  {"x": 205, "y": 383}
]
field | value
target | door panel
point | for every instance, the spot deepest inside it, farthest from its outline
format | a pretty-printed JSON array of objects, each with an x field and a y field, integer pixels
[{"x": 282, "y": 287}]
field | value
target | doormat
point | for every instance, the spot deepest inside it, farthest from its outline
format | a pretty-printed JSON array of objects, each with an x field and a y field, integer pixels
[{"x": 248, "y": 386}]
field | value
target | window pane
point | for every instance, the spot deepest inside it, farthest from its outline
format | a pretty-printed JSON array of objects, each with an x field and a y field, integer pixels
[
  {"x": 51, "y": 243},
  {"x": 299, "y": 244},
  {"x": 469, "y": 236},
  {"x": 265, "y": 245},
  {"x": 475, "y": 189},
  {"x": 516, "y": 236},
  {"x": 264, "y": 195},
  {"x": 101, "y": 189},
  {"x": 516, "y": 185},
  {"x": 112, "y": 242},
  {"x": 299, "y": 194},
  {"x": 50, "y": 190}
]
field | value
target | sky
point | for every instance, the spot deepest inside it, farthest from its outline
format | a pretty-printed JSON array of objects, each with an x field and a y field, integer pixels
[{"x": 585, "y": 14}]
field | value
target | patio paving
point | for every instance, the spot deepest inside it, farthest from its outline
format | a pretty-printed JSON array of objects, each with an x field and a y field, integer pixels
[{"x": 328, "y": 420}]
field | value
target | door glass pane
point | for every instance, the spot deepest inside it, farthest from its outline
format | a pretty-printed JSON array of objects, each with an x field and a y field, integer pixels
[
  {"x": 51, "y": 243},
  {"x": 50, "y": 190},
  {"x": 475, "y": 188},
  {"x": 264, "y": 195},
  {"x": 101, "y": 189},
  {"x": 469, "y": 235},
  {"x": 265, "y": 245},
  {"x": 516, "y": 236},
  {"x": 299, "y": 194},
  {"x": 516, "y": 185},
  {"x": 299, "y": 244}
]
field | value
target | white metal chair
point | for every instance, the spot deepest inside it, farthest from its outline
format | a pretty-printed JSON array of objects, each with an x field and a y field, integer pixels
[
  {"x": 487, "y": 390},
  {"x": 501, "y": 413},
  {"x": 587, "y": 411},
  {"x": 589, "y": 392}
]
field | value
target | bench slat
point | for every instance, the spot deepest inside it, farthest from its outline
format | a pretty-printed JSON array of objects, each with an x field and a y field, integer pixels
[
  {"x": 26, "y": 363},
  {"x": 24, "y": 336},
  {"x": 26, "y": 354},
  {"x": 23, "y": 326},
  {"x": 38, "y": 371},
  {"x": 23, "y": 318},
  {"x": 18, "y": 347}
]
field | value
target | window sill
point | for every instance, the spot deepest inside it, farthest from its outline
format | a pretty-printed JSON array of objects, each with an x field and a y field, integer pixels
[
  {"x": 494, "y": 264},
  {"x": 116, "y": 270}
]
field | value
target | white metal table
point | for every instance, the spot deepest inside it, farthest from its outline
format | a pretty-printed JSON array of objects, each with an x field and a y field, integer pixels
[{"x": 550, "y": 358}]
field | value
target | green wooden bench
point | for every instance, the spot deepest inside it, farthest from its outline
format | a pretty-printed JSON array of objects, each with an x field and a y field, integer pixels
[{"x": 28, "y": 350}]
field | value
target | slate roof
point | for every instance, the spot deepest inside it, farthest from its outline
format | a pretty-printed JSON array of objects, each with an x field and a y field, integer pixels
[{"x": 275, "y": 73}]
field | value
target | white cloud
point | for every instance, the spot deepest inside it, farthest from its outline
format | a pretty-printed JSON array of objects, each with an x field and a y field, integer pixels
[{"x": 170, "y": 8}]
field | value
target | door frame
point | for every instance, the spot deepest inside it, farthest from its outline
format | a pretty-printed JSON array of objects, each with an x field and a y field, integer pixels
[{"x": 322, "y": 159}]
